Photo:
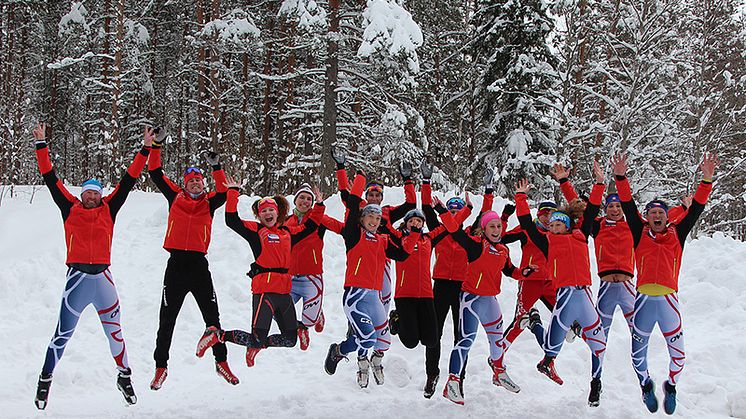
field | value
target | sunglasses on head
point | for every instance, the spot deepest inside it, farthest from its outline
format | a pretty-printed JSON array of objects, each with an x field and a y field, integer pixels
[
  {"x": 192, "y": 170},
  {"x": 267, "y": 201},
  {"x": 377, "y": 188}
]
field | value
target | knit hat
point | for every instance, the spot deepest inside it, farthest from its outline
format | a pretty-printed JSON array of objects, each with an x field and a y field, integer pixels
[
  {"x": 656, "y": 203},
  {"x": 455, "y": 203},
  {"x": 371, "y": 209},
  {"x": 304, "y": 188},
  {"x": 487, "y": 217},
  {"x": 546, "y": 207},
  {"x": 374, "y": 186},
  {"x": 92, "y": 185},
  {"x": 560, "y": 216},
  {"x": 267, "y": 203},
  {"x": 192, "y": 173},
  {"x": 415, "y": 213},
  {"x": 612, "y": 197}
]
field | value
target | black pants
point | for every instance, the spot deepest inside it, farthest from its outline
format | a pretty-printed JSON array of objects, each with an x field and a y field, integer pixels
[
  {"x": 186, "y": 272},
  {"x": 266, "y": 307},
  {"x": 417, "y": 322},
  {"x": 446, "y": 297}
]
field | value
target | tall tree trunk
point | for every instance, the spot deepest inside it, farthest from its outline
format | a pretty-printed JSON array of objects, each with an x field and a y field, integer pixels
[
  {"x": 215, "y": 92},
  {"x": 329, "y": 138},
  {"x": 202, "y": 75},
  {"x": 266, "y": 112},
  {"x": 117, "y": 83}
]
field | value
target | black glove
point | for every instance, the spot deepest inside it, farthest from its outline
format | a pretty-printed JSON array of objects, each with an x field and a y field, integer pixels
[
  {"x": 440, "y": 209},
  {"x": 416, "y": 230},
  {"x": 405, "y": 170},
  {"x": 212, "y": 158},
  {"x": 427, "y": 170},
  {"x": 160, "y": 137},
  {"x": 487, "y": 179},
  {"x": 508, "y": 210},
  {"x": 527, "y": 271},
  {"x": 339, "y": 157}
]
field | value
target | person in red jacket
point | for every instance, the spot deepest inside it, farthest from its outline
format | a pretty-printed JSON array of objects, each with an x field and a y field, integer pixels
[
  {"x": 389, "y": 214},
  {"x": 188, "y": 233},
  {"x": 367, "y": 251},
  {"x": 658, "y": 249},
  {"x": 566, "y": 250},
  {"x": 271, "y": 242},
  {"x": 89, "y": 227},
  {"x": 615, "y": 255},
  {"x": 535, "y": 287},
  {"x": 449, "y": 270},
  {"x": 488, "y": 260},
  {"x": 307, "y": 265}
]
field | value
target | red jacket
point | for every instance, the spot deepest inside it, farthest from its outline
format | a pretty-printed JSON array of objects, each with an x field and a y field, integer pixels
[
  {"x": 271, "y": 246},
  {"x": 306, "y": 257},
  {"x": 530, "y": 254},
  {"x": 390, "y": 213},
  {"x": 567, "y": 254},
  {"x": 658, "y": 255},
  {"x": 367, "y": 252},
  {"x": 88, "y": 232},
  {"x": 484, "y": 275},
  {"x": 615, "y": 251},
  {"x": 189, "y": 219}
]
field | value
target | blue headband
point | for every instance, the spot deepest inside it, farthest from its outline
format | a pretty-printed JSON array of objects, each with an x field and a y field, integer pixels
[
  {"x": 560, "y": 216},
  {"x": 656, "y": 203},
  {"x": 612, "y": 198}
]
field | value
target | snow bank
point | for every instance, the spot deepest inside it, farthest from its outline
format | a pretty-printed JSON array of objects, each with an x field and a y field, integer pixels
[{"x": 288, "y": 382}]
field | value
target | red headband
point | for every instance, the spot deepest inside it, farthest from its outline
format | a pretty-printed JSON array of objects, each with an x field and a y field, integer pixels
[{"x": 266, "y": 203}]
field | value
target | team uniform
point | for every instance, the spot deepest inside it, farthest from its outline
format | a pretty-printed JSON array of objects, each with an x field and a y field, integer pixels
[
  {"x": 188, "y": 234},
  {"x": 487, "y": 262},
  {"x": 658, "y": 262},
  {"x": 270, "y": 280},
  {"x": 390, "y": 214},
  {"x": 307, "y": 271},
  {"x": 569, "y": 269},
  {"x": 88, "y": 234},
  {"x": 366, "y": 257}
]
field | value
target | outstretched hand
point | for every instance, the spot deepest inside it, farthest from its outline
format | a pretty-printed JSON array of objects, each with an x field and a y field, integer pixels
[
  {"x": 598, "y": 172},
  {"x": 213, "y": 159},
  {"x": 426, "y": 169},
  {"x": 559, "y": 171},
  {"x": 468, "y": 199},
  {"x": 489, "y": 174},
  {"x": 148, "y": 137},
  {"x": 686, "y": 200},
  {"x": 619, "y": 164},
  {"x": 523, "y": 186},
  {"x": 40, "y": 132},
  {"x": 710, "y": 162},
  {"x": 405, "y": 170},
  {"x": 437, "y": 201},
  {"x": 231, "y": 183},
  {"x": 318, "y": 194},
  {"x": 339, "y": 156}
]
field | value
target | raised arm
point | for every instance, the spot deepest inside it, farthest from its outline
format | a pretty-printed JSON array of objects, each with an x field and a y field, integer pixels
[
  {"x": 594, "y": 201},
  {"x": 524, "y": 217},
  {"x": 218, "y": 197},
  {"x": 117, "y": 197},
  {"x": 351, "y": 230},
  {"x": 631, "y": 214},
  {"x": 343, "y": 184},
  {"x": 249, "y": 230},
  {"x": 61, "y": 196},
  {"x": 393, "y": 251},
  {"x": 562, "y": 176},
  {"x": 453, "y": 225},
  {"x": 168, "y": 188},
  {"x": 410, "y": 202},
  {"x": 426, "y": 194},
  {"x": 708, "y": 166}
]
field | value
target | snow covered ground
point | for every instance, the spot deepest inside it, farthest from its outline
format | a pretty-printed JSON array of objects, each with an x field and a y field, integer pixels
[{"x": 288, "y": 382}]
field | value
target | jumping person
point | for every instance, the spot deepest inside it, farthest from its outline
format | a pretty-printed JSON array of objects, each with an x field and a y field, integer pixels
[
  {"x": 449, "y": 272},
  {"x": 658, "y": 249},
  {"x": 488, "y": 260},
  {"x": 566, "y": 251},
  {"x": 188, "y": 233},
  {"x": 367, "y": 251},
  {"x": 307, "y": 265},
  {"x": 271, "y": 242},
  {"x": 615, "y": 255},
  {"x": 389, "y": 214},
  {"x": 89, "y": 227}
]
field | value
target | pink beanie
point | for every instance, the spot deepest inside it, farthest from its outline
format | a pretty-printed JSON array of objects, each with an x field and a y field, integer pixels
[{"x": 487, "y": 217}]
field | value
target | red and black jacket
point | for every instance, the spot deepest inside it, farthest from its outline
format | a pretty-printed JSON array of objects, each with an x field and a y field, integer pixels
[
  {"x": 612, "y": 240},
  {"x": 307, "y": 255},
  {"x": 451, "y": 259},
  {"x": 367, "y": 252},
  {"x": 88, "y": 232},
  {"x": 189, "y": 225},
  {"x": 487, "y": 260},
  {"x": 271, "y": 246},
  {"x": 568, "y": 262},
  {"x": 658, "y": 255}
]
